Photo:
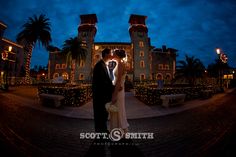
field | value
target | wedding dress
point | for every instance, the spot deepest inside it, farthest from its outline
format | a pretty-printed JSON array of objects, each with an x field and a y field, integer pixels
[{"x": 118, "y": 118}]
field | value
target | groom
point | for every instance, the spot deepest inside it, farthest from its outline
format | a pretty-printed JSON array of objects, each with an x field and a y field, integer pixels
[{"x": 102, "y": 88}]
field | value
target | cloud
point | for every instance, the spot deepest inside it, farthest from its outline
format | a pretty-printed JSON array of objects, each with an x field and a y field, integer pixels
[{"x": 193, "y": 27}]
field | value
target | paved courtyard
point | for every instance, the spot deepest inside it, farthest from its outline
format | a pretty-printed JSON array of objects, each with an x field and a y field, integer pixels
[{"x": 197, "y": 128}]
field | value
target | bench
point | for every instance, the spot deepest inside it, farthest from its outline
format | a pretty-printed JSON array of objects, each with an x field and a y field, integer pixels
[
  {"x": 172, "y": 99},
  {"x": 45, "y": 99}
]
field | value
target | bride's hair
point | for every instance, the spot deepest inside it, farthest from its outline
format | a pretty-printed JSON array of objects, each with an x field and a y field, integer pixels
[{"x": 120, "y": 53}]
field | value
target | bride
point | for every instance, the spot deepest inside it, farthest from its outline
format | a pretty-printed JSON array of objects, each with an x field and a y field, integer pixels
[{"x": 116, "y": 108}]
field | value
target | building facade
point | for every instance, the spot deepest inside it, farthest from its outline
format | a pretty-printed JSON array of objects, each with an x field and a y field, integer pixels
[
  {"x": 12, "y": 58},
  {"x": 143, "y": 60}
]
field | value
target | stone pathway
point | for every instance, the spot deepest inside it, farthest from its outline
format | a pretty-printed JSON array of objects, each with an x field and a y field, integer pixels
[{"x": 135, "y": 109}]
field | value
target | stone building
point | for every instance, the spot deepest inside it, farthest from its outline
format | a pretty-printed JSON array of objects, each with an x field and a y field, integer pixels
[
  {"x": 144, "y": 62},
  {"x": 12, "y": 58}
]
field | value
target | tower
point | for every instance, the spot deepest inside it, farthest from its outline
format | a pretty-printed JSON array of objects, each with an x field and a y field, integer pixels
[
  {"x": 86, "y": 32},
  {"x": 140, "y": 44}
]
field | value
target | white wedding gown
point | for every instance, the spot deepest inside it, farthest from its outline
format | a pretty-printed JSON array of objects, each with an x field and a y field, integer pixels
[{"x": 119, "y": 119}]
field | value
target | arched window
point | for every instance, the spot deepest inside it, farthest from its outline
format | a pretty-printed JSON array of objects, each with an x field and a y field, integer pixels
[
  {"x": 168, "y": 76},
  {"x": 141, "y": 44},
  {"x": 159, "y": 76},
  {"x": 141, "y": 53},
  {"x": 142, "y": 76},
  {"x": 142, "y": 64},
  {"x": 81, "y": 76},
  {"x": 65, "y": 76},
  {"x": 55, "y": 75}
]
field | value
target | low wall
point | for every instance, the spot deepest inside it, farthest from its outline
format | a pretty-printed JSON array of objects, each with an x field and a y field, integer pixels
[
  {"x": 74, "y": 95},
  {"x": 151, "y": 96}
]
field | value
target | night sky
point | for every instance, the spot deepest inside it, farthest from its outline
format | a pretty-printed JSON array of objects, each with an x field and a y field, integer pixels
[{"x": 194, "y": 27}]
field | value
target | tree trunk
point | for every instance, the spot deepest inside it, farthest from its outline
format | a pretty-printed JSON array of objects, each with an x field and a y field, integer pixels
[
  {"x": 73, "y": 71},
  {"x": 29, "y": 48}
]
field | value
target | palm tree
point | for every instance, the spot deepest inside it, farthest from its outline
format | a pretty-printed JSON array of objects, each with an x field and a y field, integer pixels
[
  {"x": 191, "y": 68},
  {"x": 214, "y": 69},
  {"x": 217, "y": 70},
  {"x": 36, "y": 29},
  {"x": 75, "y": 53}
]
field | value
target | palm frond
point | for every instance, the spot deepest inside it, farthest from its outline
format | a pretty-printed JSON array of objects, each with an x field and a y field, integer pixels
[{"x": 73, "y": 47}]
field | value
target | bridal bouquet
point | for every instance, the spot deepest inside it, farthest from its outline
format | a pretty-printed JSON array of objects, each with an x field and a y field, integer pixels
[{"x": 111, "y": 107}]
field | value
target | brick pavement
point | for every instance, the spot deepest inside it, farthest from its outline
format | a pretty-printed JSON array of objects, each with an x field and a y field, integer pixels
[
  {"x": 191, "y": 133},
  {"x": 135, "y": 109}
]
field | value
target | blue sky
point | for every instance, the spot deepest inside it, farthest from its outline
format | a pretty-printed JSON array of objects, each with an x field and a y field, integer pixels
[{"x": 194, "y": 27}]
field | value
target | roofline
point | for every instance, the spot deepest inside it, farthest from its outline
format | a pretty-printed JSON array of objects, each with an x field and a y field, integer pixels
[
  {"x": 114, "y": 43},
  {"x": 12, "y": 43}
]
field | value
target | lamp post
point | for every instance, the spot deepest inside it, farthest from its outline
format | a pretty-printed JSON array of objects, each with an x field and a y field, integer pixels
[{"x": 222, "y": 58}]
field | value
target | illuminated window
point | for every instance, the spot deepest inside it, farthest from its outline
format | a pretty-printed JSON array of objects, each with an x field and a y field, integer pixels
[
  {"x": 83, "y": 44},
  {"x": 81, "y": 77},
  {"x": 230, "y": 76},
  {"x": 96, "y": 47},
  {"x": 141, "y": 54},
  {"x": 142, "y": 77},
  {"x": 141, "y": 44},
  {"x": 57, "y": 66},
  {"x": 142, "y": 64},
  {"x": 65, "y": 76},
  {"x": 63, "y": 66},
  {"x": 160, "y": 66}
]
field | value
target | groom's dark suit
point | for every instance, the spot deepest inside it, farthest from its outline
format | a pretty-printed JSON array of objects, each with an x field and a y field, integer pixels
[{"x": 102, "y": 92}]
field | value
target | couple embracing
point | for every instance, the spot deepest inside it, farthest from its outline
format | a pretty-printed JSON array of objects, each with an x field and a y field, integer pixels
[{"x": 109, "y": 95}]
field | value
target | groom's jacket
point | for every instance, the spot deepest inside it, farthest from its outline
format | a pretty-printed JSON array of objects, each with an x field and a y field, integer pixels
[{"x": 101, "y": 85}]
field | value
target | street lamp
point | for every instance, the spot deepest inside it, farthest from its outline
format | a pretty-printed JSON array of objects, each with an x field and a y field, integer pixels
[
  {"x": 222, "y": 58},
  {"x": 218, "y": 51}
]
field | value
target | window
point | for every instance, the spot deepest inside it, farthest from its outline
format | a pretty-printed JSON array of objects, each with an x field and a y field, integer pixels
[
  {"x": 160, "y": 66},
  {"x": 63, "y": 66},
  {"x": 96, "y": 47},
  {"x": 65, "y": 76},
  {"x": 83, "y": 44},
  {"x": 159, "y": 76},
  {"x": 142, "y": 64},
  {"x": 57, "y": 66},
  {"x": 142, "y": 77},
  {"x": 166, "y": 67},
  {"x": 140, "y": 34},
  {"x": 168, "y": 76},
  {"x": 141, "y": 44},
  {"x": 81, "y": 77},
  {"x": 81, "y": 64},
  {"x": 84, "y": 34},
  {"x": 141, "y": 54},
  {"x": 55, "y": 75}
]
